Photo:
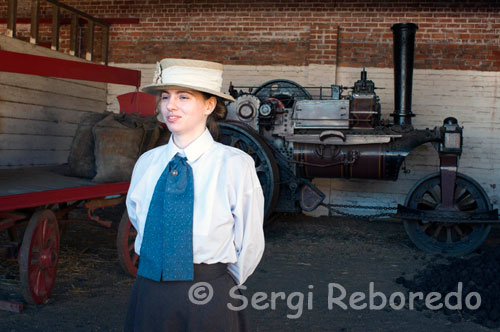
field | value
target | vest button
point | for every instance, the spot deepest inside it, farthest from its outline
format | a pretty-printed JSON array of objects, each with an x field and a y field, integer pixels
[{"x": 174, "y": 172}]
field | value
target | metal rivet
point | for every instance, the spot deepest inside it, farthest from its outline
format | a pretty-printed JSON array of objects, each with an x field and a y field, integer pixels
[{"x": 174, "y": 172}]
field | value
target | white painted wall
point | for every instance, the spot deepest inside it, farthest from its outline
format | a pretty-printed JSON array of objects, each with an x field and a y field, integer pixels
[{"x": 473, "y": 97}]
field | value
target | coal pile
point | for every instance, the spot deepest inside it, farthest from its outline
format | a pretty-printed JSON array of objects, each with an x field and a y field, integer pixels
[{"x": 479, "y": 273}]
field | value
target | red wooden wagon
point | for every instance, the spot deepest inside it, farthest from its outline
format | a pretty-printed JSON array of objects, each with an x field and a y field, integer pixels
[{"x": 38, "y": 200}]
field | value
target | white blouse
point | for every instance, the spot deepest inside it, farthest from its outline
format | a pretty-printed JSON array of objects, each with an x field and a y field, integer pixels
[{"x": 228, "y": 209}]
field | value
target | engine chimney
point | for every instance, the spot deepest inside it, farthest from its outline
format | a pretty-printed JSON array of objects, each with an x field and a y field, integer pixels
[{"x": 404, "y": 49}]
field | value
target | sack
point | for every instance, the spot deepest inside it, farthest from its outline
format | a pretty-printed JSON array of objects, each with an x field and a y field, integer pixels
[
  {"x": 116, "y": 149},
  {"x": 119, "y": 141},
  {"x": 164, "y": 137},
  {"x": 150, "y": 125},
  {"x": 152, "y": 133},
  {"x": 81, "y": 159}
]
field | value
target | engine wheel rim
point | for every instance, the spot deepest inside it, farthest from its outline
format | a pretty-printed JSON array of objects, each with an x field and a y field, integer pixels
[
  {"x": 285, "y": 90},
  {"x": 267, "y": 170},
  {"x": 125, "y": 241},
  {"x": 38, "y": 257},
  {"x": 447, "y": 238}
]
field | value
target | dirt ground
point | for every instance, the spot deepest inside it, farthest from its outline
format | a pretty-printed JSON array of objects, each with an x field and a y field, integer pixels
[{"x": 303, "y": 255}]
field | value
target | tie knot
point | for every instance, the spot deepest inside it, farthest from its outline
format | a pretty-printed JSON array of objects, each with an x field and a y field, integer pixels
[
  {"x": 178, "y": 166},
  {"x": 178, "y": 159}
]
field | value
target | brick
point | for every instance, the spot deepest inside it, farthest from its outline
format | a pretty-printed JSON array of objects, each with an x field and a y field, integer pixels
[{"x": 260, "y": 32}]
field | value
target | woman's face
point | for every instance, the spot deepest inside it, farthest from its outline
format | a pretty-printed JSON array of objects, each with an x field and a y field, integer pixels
[{"x": 186, "y": 111}]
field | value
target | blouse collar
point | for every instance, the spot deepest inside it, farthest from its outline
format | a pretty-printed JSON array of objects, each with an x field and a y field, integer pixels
[{"x": 194, "y": 150}]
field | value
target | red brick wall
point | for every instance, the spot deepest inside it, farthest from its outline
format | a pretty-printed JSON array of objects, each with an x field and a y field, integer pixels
[{"x": 452, "y": 34}]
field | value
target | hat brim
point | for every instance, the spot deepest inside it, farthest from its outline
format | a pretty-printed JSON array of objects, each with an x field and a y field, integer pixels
[{"x": 153, "y": 89}]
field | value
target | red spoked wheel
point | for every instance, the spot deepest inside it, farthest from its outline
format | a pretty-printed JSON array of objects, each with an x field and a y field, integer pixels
[
  {"x": 38, "y": 257},
  {"x": 125, "y": 240}
]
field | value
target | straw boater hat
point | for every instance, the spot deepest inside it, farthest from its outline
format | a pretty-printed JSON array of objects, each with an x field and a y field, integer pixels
[{"x": 204, "y": 76}]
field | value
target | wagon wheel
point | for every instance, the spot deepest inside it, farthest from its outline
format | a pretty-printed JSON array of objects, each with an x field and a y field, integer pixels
[
  {"x": 125, "y": 240},
  {"x": 247, "y": 140},
  {"x": 38, "y": 257},
  {"x": 455, "y": 239}
]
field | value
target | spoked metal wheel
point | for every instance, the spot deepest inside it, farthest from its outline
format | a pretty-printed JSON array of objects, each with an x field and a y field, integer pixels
[
  {"x": 247, "y": 140},
  {"x": 125, "y": 240},
  {"x": 447, "y": 238},
  {"x": 284, "y": 90},
  {"x": 38, "y": 257}
]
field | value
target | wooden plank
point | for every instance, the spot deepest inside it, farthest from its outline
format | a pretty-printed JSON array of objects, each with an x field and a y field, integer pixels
[
  {"x": 35, "y": 10},
  {"x": 34, "y": 142},
  {"x": 48, "y": 20},
  {"x": 32, "y": 179},
  {"x": 15, "y": 45},
  {"x": 21, "y": 63},
  {"x": 73, "y": 34},
  {"x": 77, "y": 83},
  {"x": 34, "y": 97},
  {"x": 38, "y": 112},
  {"x": 89, "y": 52},
  {"x": 105, "y": 45},
  {"x": 36, "y": 127},
  {"x": 55, "y": 27},
  {"x": 96, "y": 85},
  {"x": 17, "y": 158},
  {"x": 52, "y": 85},
  {"x": 79, "y": 13},
  {"x": 11, "y": 18},
  {"x": 48, "y": 197},
  {"x": 13, "y": 306}
]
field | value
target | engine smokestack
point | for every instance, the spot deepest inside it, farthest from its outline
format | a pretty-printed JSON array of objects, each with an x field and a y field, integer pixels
[{"x": 404, "y": 49}]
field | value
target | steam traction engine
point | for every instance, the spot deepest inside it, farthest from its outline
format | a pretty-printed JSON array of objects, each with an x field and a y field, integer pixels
[{"x": 294, "y": 137}]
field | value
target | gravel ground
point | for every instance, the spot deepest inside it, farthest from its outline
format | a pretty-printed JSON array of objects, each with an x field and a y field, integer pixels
[{"x": 315, "y": 257}]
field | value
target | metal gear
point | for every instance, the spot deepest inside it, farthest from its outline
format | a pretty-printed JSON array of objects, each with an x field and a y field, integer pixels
[{"x": 245, "y": 109}]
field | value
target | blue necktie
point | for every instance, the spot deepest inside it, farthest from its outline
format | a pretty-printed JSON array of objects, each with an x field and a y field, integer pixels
[{"x": 167, "y": 245}]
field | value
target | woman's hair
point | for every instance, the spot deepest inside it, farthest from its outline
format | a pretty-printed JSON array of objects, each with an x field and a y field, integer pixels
[{"x": 219, "y": 113}]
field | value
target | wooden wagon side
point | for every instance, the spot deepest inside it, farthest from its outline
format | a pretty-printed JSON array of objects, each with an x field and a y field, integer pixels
[
  {"x": 38, "y": 200},
  {"x": 41, "y": 212}
]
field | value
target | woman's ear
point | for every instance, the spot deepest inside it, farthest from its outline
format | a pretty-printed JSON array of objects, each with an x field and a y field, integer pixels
[{"x": 210, "y": 104}]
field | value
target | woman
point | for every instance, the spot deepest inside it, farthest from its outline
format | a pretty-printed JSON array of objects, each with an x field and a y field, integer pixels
[{"x": 198, "y": 209}]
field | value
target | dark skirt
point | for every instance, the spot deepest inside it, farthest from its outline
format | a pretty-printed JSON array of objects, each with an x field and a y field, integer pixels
[{"x": 166, "y": 306}]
